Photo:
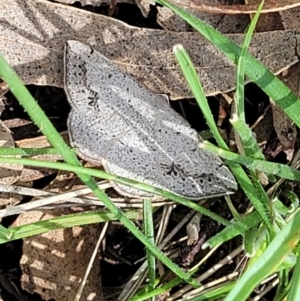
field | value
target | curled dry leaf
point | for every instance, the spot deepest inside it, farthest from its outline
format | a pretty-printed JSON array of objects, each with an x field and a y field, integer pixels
[
  {"x": 207, "y": 6},
  {"x": 94, "y": 2},
  {"x": 85, "y": 2},
  {"x": 36, "y": 52},
  {"x": 193, "y": 228},
  {"x": 144, "y": 6}
]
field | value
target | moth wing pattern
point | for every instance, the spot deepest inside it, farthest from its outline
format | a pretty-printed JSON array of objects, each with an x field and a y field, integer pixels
[{"x": 134, "y": 133}]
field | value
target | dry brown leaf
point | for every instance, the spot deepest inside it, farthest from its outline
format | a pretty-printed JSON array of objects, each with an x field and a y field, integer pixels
[
  {"x": 10, "y": 199},
  {"x": 290, "y": 18},
  {"x": 285, "y": 129},
  {"x": 85, "y": 2},
  {"x": 93, "y": 2},
  {"x": 291, "y": 78},
  {"x": 144, "y": 6},
  {"x": 34, "y": 173},
  {"x": 269, "y": 6},
  {"x": 54, "y": 263},
  {"x": 167, "y": 19},
  {"x": 262, "y": 129},
  {"x": 39, "y": 142},
  {"x": 34, "y": 33},
  {"x": 266, "y": 22},
  {"x": 223, "y": 23}
]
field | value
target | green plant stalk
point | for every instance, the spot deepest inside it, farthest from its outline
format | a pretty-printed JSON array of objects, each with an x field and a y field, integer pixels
[
  {"x": 254, "y": 69},
  {"x": 294, "y": 291},
  {"x": 6, "y": 233},
  {"x": 62, "y": 222},
  {"x": 263, "y": 203},
  {"x": 192, "y": 78},
  {"x": 283, "y": 285},
  {"x": 238, "y": 228},
  {"x": 40, "y": 119},
  {"x": 248, "y": 140},
  {"x": 293, "y": 198},
  {"x": 11, "y": 151},
  {"x": 280, "y": 208},
  {"x": 249, "y": 241},
  {"x": 282, "y": 295},
  {"x": 277, "y": 169},
  {"x": 240, "y": 78},
  {"x": 214, "y": 293},
  {"x": 233, "y": 211},
  {"x": 251, "y": 149},
  {"x": 157, "y": 291},
  {"x": 149, "y": 232},
  {"x": 269, "y": 262},
  {"x": 262, "y": 241},
  {"x": 238, "y": 106}
]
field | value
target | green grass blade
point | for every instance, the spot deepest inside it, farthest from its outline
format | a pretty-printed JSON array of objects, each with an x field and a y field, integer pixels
[
  {"x": 269, "y": 262},
  {"x": 248, "y": 140},
  {"x": 214, "y": 293},
  {"x": 149, "y": 232},
  {"x": 5, "y": 233},
  {"x": 193, "y": 81},
  {"x": 249, "y": 241},
  {"x": 157, "y": 291},
  {"x": 293, "y": 198},
  {"x": 277, "y": 169},
  {"x": 62, "y": 222},
  {"x": 24, "y": 152},
  {"x": 294, "y": 292},
  {"x": 251, "y": 148},
  {"x": 240, "y": 72},
  {"x": 281, "y": 295},
  {"x": 254, "y": 69},
  {"x": 191, "y": 77},
  {"x": 238, "y": 228}
]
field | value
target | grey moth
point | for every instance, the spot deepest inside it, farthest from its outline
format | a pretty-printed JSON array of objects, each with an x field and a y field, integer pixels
[{"x": 133, "y": 133}]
